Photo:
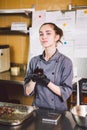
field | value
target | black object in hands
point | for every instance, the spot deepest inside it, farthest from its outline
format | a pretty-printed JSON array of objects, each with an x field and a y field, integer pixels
[
  {"x": 33, "y": 76},
  {"x": 38, "y": 71},
  {"x": 39, "y": 77},
  {"x": 36, "y": 74},
  {"x": 44, "y": 80}
]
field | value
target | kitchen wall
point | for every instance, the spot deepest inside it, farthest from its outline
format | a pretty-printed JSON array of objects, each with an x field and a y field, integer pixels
[{"x": 19, "y": 44}]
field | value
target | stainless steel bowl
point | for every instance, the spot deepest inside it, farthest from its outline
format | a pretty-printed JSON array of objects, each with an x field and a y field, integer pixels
[{"x": 80, "y": 115}]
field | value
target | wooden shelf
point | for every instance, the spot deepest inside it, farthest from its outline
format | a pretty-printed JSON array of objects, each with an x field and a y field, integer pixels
[
  {"x": 24, "y": 12},
  {"x": 16, "y": 11},
  {"x": 7, "y": 30}
]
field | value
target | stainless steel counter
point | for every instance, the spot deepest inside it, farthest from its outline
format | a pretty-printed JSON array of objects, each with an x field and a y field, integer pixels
[{"x": 66, "y": 122}]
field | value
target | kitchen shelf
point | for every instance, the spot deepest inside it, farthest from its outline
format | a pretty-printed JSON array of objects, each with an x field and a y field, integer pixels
[
  {"x": 16, "y": 11},
  {"x": 7, "y": 30},
  {"x": 24, "y": 12}
]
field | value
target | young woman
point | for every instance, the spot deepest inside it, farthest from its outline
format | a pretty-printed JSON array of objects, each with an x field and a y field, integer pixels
[{"x": 50, "y": 74}]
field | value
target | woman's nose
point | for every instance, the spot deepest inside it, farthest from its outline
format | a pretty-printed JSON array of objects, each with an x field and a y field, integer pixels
[{"x": 44, "y": 36}]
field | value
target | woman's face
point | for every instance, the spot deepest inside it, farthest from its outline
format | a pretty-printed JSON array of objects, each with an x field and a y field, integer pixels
[{"x": 47, "y": 36}]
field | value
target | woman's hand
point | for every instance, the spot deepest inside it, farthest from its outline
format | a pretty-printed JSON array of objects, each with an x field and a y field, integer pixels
[
  {"x": 30, "y": 87},
  {"x": 39, "y": 77},
  {"x": 27, "y": 90}
]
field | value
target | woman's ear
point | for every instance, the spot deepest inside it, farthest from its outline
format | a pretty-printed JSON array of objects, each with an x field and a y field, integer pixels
[{"x": 57, "y": 38}]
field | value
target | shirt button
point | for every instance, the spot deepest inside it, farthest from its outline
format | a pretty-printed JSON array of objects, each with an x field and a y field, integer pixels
[
  {"x": 52, "y": 99},
  {"x": 52, "y": 73}
]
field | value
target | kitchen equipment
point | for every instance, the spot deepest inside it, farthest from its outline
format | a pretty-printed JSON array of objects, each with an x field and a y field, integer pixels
[
  {"x": 51, "y": 118},
  {"x": 79, "y": 111},
  {"x": 80, "y": 115},
  {"x": 18, "y": 113},
  {"x": 4, "y": 58}
]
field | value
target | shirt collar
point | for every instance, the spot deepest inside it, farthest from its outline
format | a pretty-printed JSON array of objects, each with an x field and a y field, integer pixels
[{"x": 54, "y": 57}]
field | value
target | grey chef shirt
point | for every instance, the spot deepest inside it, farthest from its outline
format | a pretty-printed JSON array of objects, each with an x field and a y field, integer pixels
[{"x": 59, "y": 70}]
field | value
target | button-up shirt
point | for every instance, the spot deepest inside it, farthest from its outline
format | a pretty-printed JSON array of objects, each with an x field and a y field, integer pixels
[{"x": 59, "y": 70}]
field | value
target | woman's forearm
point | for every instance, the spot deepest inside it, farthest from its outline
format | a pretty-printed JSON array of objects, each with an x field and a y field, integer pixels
[
  {"x": 54, "y": 88},
  {"x": 30, "y": 87}
]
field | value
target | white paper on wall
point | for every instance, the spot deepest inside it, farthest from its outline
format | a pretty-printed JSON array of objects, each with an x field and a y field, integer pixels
[
  {"x": 80, "y": 48},
  {"x": 38, "y": 18},
  {"x": 81, "y": 34},
  {"x": 67, "y": 48},
  {"x": 81, "y": 20},
  {"x": 64, "y": 20}
]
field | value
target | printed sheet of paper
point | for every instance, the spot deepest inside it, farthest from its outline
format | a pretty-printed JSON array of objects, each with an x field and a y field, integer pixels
[
  {"x": 81, "y": 34},
  {"x": 65, "y": 20},
  {"x": 81, "y": 19},
  {"x": 80, "y": 48},
  {"x": 38, "y": 18}
]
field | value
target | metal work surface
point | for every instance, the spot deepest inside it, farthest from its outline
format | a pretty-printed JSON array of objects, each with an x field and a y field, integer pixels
[{"x": 66, "y": 122}]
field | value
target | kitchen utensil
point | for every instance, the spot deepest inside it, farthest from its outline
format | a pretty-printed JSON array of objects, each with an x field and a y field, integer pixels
[{"x": 80, "y": 115}]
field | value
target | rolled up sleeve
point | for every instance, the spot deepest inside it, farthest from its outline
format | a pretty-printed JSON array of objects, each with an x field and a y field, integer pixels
[{"x": 66, "y": 82}]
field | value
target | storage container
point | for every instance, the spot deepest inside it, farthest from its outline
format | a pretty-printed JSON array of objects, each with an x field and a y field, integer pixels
[{"x": 4, "y": 58}]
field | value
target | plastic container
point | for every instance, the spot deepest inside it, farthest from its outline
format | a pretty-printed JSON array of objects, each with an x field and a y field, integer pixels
[{"x": 4, "y": 58}]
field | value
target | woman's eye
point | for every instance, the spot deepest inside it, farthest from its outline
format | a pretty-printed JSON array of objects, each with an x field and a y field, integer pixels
[
  {"x": 41, "y": 34},
  {"x": 48, "y": 33}
]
